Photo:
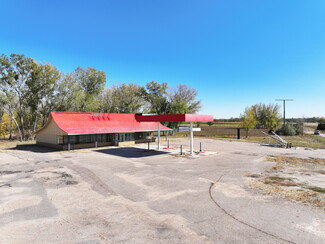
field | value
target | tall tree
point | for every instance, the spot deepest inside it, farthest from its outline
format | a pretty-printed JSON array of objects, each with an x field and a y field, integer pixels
[
  {"x": 183, "y": 99},
  {"x": 8, "y": 104},
  {"x": 105, "y": 101},
  {"x": 92, "y": 82},
  {"x": 122, "y": 99},
  {"x": 267, "y": 116},
  {"x": 40, "y": 90},
  {"x": 77, "y": 91},
  {"x": 248, "y": 120},
  {"x": 155, "y": 95},
  {"x": 15, "y": 71}
]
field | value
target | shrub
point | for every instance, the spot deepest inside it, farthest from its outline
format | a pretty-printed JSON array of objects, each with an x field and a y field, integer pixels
[
  {"x": 321, "y": 126},
  {"x": 299, "y": 128},
  {"x": 286, "y": 130}
]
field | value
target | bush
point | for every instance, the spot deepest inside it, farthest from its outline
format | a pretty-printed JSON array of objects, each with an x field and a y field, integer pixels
[
  {"x": 321, "y": 126},
  {"x": 299, "y": 128},
  {"x": 286, "y": 130}
]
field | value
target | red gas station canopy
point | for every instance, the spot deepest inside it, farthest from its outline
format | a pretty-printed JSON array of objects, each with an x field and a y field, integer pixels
[{"x": 174, "y": 118}]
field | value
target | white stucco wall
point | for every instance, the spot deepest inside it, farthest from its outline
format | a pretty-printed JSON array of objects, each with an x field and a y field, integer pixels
[{"x": 49, "y": 133}]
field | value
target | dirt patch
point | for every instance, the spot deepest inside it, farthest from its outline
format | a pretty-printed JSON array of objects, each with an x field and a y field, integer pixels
[
  {"x": 4, "y": 185},
  {"x": 299, "y": 179},
  {"x": 9, "y": 172},
  {"x": 54, "y": 178}
]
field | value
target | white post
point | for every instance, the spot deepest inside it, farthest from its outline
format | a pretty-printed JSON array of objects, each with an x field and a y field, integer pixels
[
  {"x": 158, "y": 135},
  {"x": 191, "y": 143}
]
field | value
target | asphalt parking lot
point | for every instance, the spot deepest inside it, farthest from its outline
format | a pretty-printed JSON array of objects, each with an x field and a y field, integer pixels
[{"x": 131, "y": 195}]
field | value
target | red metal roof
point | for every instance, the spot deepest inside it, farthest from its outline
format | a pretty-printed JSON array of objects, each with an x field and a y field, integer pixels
[
  {"x": 175, "y": 118},
  {"x": 76, "y": 123}
]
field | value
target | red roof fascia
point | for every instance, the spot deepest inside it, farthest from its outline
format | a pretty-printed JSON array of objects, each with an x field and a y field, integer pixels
[
  {"x": 175, "y": 118},
  {"x": 75, "y": 123}
]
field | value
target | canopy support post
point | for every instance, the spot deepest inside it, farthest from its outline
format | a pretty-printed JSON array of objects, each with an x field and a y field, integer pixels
[
  {"x": 191, "y": 142},
  {"x": 158, "y": 135}
]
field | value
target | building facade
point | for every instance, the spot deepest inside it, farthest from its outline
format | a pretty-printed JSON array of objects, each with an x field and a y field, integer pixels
[{"x": 73, "y": 130}]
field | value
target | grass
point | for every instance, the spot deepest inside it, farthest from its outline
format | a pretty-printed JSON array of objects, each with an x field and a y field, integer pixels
[
  {"x": 280, "y": 181},
  {"x": 294, "y": 162},
  {"x": 26, "y": 143},
  {"x": 229, "y": 131},
  {"x": 270, "y": 182},
  {"x": 6, "y": 143},
  {"x": 316, "y": 189},
  {"x": 310, "y": 141},
  {"x": 217, "y": 124}
]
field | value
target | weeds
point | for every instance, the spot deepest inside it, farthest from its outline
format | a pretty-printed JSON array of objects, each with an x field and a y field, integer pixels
[{"x": 274, "y": 181}]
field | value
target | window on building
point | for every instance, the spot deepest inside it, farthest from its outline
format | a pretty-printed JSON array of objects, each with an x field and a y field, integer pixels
[
  {"x": 60, "y": 140},
  {"x": 138, "y": 135},
  {"x": 84, "y": 139},
  {"x": 126, "y": 137}
]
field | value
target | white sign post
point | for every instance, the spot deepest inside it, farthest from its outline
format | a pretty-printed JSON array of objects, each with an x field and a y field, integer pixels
[
  {"x": 191, "y": 143},
  {"x": 158, "y": 135}
]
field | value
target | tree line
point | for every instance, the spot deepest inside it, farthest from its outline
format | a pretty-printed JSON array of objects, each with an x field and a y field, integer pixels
[{"x": 30, "y": 90}]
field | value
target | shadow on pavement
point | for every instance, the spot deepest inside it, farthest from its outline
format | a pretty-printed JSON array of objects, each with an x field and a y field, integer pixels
[
  {"x": 33, "y": 148},
  {"x": 130, "y": 152}
]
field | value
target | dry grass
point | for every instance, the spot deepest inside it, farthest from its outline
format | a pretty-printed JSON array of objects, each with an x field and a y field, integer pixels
[
  {"x": 308, "y": 141},
  {"x": 4, "y": 144},
  {"x": 228, "y": 131},
  {"x": 293, "y": 162},
  {"x": 8, "y": 144},
  {"x": 275, "y": 180}
]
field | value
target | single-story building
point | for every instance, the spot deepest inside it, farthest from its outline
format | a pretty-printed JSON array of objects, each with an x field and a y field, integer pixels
[{"x": 73, "y": 130}]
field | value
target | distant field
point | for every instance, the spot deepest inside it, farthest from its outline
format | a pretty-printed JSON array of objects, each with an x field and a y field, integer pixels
[
  {"x": 218, "y": 124},
  {"x": 310, "y": 126},
  {"x": 223, "y": 130},
  {"x": 229, "y": 131},
  {"x": 310, "y": 141}
]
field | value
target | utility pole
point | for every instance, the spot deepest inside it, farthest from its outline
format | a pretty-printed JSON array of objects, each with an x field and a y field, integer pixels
[{"x": 284, "y": 108}]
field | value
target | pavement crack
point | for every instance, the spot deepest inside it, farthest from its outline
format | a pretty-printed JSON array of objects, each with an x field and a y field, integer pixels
[{"x": 238, "y": 220}]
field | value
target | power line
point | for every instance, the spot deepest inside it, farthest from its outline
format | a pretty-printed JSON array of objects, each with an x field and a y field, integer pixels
[{"x": 284, "y": 108}]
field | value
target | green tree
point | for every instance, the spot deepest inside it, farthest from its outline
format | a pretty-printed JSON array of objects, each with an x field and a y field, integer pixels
[
  {"x": 321, "y": 124},
  {"x": 183, "y": 100},
  {"x": 267, "y": 116},
  {"x": 41, "y": 87},
  {"x": 210, "y": 123},
  {"x": 8, "y": 103},
  {"x": 155, "y": 95},
  {"x": 79, "y": 91},
  {"x": 122, "y": 99},
  {"x": 92, "y": 83},
  {"x": 14, "y": 72},
  {"x": 248, "y": 120}
]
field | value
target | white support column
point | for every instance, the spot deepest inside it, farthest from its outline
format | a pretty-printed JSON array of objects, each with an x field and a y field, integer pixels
[
  {"x": 191, "y": 143},
  {"x": 158, "y": 135}
]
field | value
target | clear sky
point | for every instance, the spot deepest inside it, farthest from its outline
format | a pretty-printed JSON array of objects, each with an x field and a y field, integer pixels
[{"x": 235, "y": 53}]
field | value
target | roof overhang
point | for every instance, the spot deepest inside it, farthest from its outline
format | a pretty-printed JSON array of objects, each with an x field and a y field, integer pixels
[{"x": 174, "y": 118}]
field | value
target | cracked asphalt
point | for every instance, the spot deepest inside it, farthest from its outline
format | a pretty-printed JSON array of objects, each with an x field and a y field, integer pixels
[{"x": 131, "y": 195}]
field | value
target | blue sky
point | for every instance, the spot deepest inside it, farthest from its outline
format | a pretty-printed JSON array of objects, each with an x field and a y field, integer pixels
[{"x": 235, "y": 53}]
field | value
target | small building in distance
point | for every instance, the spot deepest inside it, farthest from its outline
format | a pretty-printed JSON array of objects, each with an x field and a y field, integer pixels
[{"x": 73, "y": 130}]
